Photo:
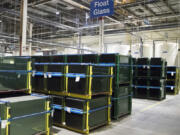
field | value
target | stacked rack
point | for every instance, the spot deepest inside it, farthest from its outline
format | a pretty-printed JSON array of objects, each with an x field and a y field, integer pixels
[
  {"x": 149, "y": 78},
  {"x": 15, "y": 75},
  {"x": 172, "y": 81},
  {"x": 122, "y": 93},
  {"x": 81, "y": 90},
  {"x": 20, "y": 112}
]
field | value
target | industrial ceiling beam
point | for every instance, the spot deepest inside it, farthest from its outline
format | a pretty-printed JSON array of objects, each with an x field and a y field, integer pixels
[
  {"x": 40, "y": 2},
  {"x": 144, "y": 28},
  {"x": 43, "y": 21},
  {"x": 167, "y": 4},
  {"x": 137, "y": 3},
  {"x": 149, "y": 9},
  {"x": 23, "y": 26}
]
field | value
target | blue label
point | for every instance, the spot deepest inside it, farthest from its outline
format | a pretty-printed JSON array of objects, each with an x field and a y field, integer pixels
[{"x": 101, "y": 8}]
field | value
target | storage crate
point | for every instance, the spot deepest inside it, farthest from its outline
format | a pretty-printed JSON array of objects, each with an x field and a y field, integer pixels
[
  {"x": 171, "y": 72},
  {"x": 15, "y": 74},
  {"x": 122, "y": 102},
  {"x": 90, "y": 58},
  {"x": 150, "y": 88},
  {"x": 85, "y": 115},
  {"x": 50, "y": 80},
  {"x": 74, "y": 58},
  {"x": 85, "y": 81},
  {"x": 122, "y": 69},
  {"x": 142, "y": 67},
  {"x": 157, "y": 89},
  {"x": 172, "y": 80},
  {"x": 59, "y": 113},
  {"x": 25, "y": 115},
  {"x": 157, "y": 68}
]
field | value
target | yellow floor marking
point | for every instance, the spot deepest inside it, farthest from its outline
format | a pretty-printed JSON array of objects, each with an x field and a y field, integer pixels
[{"x": 150, "y": 106}]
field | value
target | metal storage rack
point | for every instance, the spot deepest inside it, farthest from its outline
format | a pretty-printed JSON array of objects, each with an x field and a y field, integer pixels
[
  {"x": 172, "y": 80},
  {"x": 79, "y": 80},
  {"x": 15, "y": 75},
  {"x": 149, "y": 78},
  {"x": 90, "y": 114},
  {"x": 25, "y": 115},
  {"x": 49, "y": 78},
  {"x": 122, "y": 93},
  {"x": 83, "y": 83}
]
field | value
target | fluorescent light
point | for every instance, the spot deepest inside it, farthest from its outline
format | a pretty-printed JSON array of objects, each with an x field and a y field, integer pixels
[{"x": 57, "y": 13}]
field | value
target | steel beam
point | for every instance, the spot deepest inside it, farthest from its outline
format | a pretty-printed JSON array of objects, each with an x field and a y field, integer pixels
[
  {"x": 101, "y": 35},
  {"x": 167, "y": 4},
  {"x": 149, "y": 9},
  {"x": 23, "y": 27}
]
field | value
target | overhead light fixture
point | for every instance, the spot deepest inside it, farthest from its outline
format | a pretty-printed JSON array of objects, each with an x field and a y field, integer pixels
[
  {"x": 130, "y": 16},
  {"x": 0, "y": 21},
  {"x": 57, "y": 13}
]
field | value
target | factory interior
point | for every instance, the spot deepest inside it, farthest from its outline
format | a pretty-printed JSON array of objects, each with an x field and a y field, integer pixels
[{"x": 98, "y": 67}]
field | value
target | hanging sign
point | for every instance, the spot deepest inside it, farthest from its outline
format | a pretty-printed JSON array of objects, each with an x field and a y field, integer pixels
[{"x": 100, "y": 8}]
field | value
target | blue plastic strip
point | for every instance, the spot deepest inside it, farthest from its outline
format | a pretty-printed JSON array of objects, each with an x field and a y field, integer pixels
[
  {"x": 144, "y": 87},
  {"x": 102, "y": 75},
  {"x": 81, "y": 64},
  {"x": 30, "y": 115},
  {"x": 41, "y": 96},
  {"x": 70, "y": 75},
  {"x": 140, "y": 87},
  {"x": 169, "y": 86},
  {"x": 122, "y": 97},
  {"x": 74, "y": 110},
  {"x": 79, "y": 111},
  {"x": 146, "y": 66},
  {"x": 38, "y": 74},
  {"x": 170, "y": 72},
  {"x": 54, "y": 74},
  {"x": 153, "y": 87},
  {"x": 58, "y": 107},
  {"x": 74, "y": 75},
  {"x": 105, "y": 64},
  {"x": 98, "y": 109},
  {"x": 15, "y": 71},
  {"x": 4, "y": 102}
]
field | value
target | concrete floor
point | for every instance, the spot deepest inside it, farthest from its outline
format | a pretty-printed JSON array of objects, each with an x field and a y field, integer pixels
[{"x": 148, "y": 118}]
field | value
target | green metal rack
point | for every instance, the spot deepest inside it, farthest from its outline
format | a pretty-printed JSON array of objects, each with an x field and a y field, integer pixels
[
  {"x": 172, "y": 80},
  {"x": 15, "y": 74},
  {"x": 122, "y": 92},
  {"x": 82, "y": 115},
  {"x": 75, "y": 80},
  {"x": 149, "y": 78},
  {"x": 25, "y": 115}
]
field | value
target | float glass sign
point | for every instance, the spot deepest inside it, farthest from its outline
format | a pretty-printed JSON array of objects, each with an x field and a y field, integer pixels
[{"x": 101, "y": 8}]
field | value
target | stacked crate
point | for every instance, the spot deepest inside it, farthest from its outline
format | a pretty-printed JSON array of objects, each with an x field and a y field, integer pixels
[
  {"x": 80, "y": 87},
  {"x": 149, "y": 78},
  {"x": 15, "y": 75},
  {"x": 122, "y": 94},
  {"x": 20, "y": 112},
  {"x": 24, "y": 115},
  {"x": 172, "y": 81}
]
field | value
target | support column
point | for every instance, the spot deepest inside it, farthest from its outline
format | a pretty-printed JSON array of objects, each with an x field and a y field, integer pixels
[
  {"x": 30, "y": 36},
  {"x": 154, "y": 49},
  {"x": 178, "y": 52},
  {"x": 23, "y": 27},
  {"x": 141, "y": 48},
  {"x": 79, "y": 43},
  {"x": 101, "y": 35},
  {"x": 1, "y": 26}
]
